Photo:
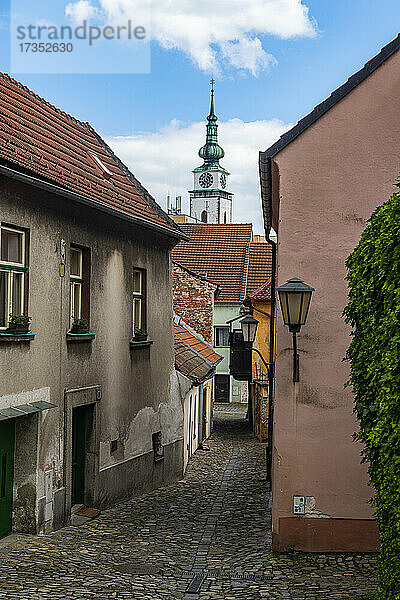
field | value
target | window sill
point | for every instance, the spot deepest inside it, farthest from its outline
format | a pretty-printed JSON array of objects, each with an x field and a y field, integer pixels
[
  {"x": 140, "y": 344},
  {"x": 77, "y": 338},
  {"x": 16, "y": 337}
]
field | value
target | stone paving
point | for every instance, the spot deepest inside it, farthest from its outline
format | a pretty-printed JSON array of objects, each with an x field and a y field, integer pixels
[{"x": 216, "y": 521}]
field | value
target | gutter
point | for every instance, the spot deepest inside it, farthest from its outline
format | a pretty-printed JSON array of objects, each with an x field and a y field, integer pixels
[
  {"x": 84, "y": 200},
  {"x": 265, "y": 165}
]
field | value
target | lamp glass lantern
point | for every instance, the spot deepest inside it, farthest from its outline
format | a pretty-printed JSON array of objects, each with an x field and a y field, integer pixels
[
  {"x": 295, "y": 299},
  {"x": 249, "y": 328}
]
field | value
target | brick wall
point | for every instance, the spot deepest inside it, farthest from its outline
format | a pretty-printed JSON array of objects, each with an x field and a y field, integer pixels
[{"x": 194, "y": 301}]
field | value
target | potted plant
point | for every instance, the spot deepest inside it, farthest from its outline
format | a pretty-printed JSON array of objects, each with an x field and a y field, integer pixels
[
  {"x": 79, "y": 326},
  {"x": 140, "y": 335},
  {"x": 19, "y": 323}
]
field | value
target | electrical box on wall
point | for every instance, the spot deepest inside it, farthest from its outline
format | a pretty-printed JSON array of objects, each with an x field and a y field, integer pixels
[{"x": 298, "y": 505}]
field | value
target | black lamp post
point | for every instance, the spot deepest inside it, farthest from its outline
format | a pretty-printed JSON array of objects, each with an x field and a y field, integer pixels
[
  {"x": 249, "y": 329},
  {"x": 295, "y": 298}
]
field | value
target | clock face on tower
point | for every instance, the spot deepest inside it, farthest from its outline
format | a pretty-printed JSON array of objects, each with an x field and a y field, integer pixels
[
  {"x": 205, "y": 180},
  {"x": 223, "y": 181}
]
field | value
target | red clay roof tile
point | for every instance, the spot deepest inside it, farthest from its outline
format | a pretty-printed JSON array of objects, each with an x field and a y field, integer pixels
[
  {"x": 194, "y": 358},
  {"x": 229, "y": 258},
  {"x": 37, "y": 136}
]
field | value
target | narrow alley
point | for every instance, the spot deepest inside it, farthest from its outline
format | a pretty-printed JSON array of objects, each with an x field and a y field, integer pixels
[{"x": 206, "y": 537}]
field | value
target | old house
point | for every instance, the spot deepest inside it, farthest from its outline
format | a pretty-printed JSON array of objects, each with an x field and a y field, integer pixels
[
  {"x": 86, "y": 410},
  {"x": 195, "y": 362},
  {"x": 258, "y": 296},
  {"x": 227, "y": 255},
  {"x": 320, "y": 183},
  {"x": 194, "y": 297}
]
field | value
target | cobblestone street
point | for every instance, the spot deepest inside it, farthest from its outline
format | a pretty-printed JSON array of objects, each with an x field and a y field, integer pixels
[{"x": 216, "y": 521}]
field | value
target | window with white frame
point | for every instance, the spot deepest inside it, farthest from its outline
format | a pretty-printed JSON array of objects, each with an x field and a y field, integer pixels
[
  {"x": 76, "y": 283},
  {"x": 12, "y": 273},
  {"x": 222, "y": 336},
  {"x": 139, "y": 300}
]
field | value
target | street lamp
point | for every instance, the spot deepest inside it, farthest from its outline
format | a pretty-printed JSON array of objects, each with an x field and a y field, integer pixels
[
  {"x": 249, "y": 328},
  {"x": 295, "y": 298}
]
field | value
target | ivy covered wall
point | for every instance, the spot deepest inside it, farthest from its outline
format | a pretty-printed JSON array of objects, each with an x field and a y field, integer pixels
[{"x": 374, "y": 354}]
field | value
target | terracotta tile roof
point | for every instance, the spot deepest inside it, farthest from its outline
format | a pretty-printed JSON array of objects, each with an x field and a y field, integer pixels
[
  {"x": 226, "y": 254},
  {"x": 258, "y": 283},
  {"x": 219, "y": 251},
  {"x": 39, "y": 138},
  {"x": 194, "y": 358}
]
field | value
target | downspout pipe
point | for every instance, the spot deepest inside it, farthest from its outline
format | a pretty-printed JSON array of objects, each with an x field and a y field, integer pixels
[
  {"x": 265, "y": 164},
  {"x": 271, "y": 382}
]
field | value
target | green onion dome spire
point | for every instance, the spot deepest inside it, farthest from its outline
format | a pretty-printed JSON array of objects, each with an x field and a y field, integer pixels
[{"x": 211, "y": 152}]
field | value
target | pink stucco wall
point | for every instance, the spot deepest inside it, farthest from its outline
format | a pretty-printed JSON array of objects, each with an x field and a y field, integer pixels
[{"x": 331, "y": 179}]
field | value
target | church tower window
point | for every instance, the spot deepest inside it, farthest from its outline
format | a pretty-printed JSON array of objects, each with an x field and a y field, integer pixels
[{"x": 204, "y": 216}]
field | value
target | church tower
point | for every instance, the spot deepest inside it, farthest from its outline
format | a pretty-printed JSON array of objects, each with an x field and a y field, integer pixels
[{"x": 210, "y": 200}]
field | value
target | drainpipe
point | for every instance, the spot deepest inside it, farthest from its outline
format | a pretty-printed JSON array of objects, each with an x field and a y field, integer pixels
[{"x": 271, "y": 389}]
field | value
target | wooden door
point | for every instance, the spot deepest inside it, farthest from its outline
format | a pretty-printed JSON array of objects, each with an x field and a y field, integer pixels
[
  {"x": 7, "y": 437},
  {"x": 222, "y": 385},
  {"x": 79, "y": 419}
]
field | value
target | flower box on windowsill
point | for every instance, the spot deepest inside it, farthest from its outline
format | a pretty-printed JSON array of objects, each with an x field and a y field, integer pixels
[
  {"x": 140, "y": 336},
  {"x": 7, "y": 336},
  {"x": 73, "y": 337},
  {"x": 135, "y": 343},
  {"x": 17, "y": 328}
]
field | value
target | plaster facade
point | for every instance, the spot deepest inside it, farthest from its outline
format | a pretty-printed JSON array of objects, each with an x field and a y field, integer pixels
[
  {"x": 223, "y": 312},
  {"x": 127, "y": 389},
  {"x": 260, "y": 396},
  {"x": 329, "y": 180}
]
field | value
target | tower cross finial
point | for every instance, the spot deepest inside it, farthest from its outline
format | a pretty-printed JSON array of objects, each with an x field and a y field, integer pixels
[{"x": 212, "y": 85}]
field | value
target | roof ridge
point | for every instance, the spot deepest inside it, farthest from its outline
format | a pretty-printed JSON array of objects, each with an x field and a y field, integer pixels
[
  {"x": 41, "y": 99},
  {"x": 264, "y": 285},
  {"x": 338, "y": 94}
]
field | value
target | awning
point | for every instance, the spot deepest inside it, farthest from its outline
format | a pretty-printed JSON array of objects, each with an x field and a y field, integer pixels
[{"x": 24, "y": 409}]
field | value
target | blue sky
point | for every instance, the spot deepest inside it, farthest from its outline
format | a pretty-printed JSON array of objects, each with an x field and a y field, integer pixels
[{"x": 306, "y": 70}]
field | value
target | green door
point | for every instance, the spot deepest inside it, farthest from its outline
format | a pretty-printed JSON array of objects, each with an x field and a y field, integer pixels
[
  {"x": 78, "y": 454},
  {"x": 7, "y": 429}
]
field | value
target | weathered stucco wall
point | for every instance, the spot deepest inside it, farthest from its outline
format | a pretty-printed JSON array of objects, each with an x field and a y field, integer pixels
[
  {"x": 331, "y": 179},
  {"x": 223, "y": 312},
  {"x": 134, "y": 382}
]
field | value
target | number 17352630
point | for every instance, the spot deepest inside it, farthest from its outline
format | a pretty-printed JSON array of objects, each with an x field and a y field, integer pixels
[{"x": 45, "y": 47}]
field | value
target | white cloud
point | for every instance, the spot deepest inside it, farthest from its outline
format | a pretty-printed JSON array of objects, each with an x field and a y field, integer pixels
[
  {"x": 81, "y": 11},
  {"x": 247, "y": 54},
  {"x": 215, "y": 34},
  {"x": 163, "y": 161}
]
